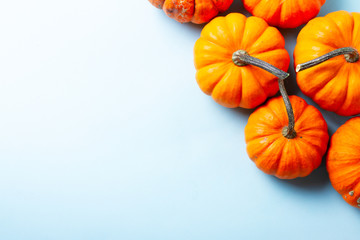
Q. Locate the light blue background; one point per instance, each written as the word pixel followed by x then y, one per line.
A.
pixel 104 134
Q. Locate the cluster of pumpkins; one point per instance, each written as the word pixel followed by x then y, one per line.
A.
pixel 242 61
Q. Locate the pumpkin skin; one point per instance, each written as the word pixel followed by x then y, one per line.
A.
pixel 277 155
pixel 217 75
pixel 343 161
pixel 195 11
pixel 332 84
pixel 284 13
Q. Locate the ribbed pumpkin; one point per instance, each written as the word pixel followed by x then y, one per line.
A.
pixel 327 59
pixel 196 11
pixel 284 13
pixel 343 161
pixel 275 153
pixel 231 82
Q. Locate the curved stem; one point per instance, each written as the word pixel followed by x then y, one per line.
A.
pixel 351 55
pixel 242 58
pixel 289 131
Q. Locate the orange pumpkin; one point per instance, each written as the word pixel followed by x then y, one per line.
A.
pixel 278 151
pixel 284 13
pixel 327 59
pixel 229 80
pixel 343 161
pixel 196 11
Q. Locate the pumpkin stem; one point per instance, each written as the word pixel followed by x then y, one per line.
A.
pixel 242 58
pixel 351 55
pixel 288 131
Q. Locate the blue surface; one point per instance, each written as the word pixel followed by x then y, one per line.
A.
pixel 104 134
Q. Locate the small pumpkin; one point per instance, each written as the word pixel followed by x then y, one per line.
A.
pixel 286 140
pixel 327 59
pixel 222 70
pixel 284 13
pixel 195 11
pixel 343 161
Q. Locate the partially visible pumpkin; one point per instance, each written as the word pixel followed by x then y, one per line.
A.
pixel 233 83
pixel 327 59
pixel 343 161
pixel 196 11
pixel 277 152
pixel 284 13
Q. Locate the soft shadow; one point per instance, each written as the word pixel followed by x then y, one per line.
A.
pixel 331 6
pixel 194 27
pixel 243 113
pixel 236 6
pixel 333 120
pixel 316 181
pixel 290 36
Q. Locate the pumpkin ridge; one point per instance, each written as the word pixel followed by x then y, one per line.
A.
pixel 283 9
pixel 267 149
pixel 317 147
pixel 277 115
pixel 282 161
pixel 262 33
pixel 263 87
pixel 345 89
pixel 266 51
pixel 340 33
pixel 243 34
pixel 223 65
pixel 312 42
pixel 345 169
pixel 344 178
pixel 350 145
pixel 355 32
pixel 252 7
pixel 222 83
pixel 345 162
pixel 303 169
pixel 303 119
pixel 353 94
pixel 304 130
pixel 336 74
pixel 243 93
pixel 206 37
pixel 225 49
pixel 256 137
pixel 234 27
pixel 207 52
pixel 311 93
pixel 273 19
pixel 311 30
pixel 232 40
pixel 244 42
pixel 220 46
pixel 272 51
